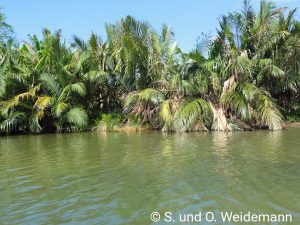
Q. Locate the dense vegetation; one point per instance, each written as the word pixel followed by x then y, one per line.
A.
pixel 247 77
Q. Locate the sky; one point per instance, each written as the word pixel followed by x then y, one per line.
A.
pixel 188 18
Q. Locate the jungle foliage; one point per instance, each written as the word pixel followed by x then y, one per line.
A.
pixel 246 77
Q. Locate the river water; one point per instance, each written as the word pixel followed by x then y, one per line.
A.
pixel 121 178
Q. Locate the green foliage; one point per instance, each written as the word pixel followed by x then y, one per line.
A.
pixel 13 120
pixel 166 114
pixel 77 117
pixel 112 120
pixel 249 73
pixel 151 96
pixel 191 113
pixel 252 104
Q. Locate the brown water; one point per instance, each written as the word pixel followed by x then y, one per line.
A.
pixel 119 178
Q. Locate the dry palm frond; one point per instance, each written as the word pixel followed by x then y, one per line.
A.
pixel 219 120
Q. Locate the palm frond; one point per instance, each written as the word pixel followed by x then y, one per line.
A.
pixel 79 43
pixel 34 122
pixel 51 84
pixel 77 117
pixel 94 74
pixel 60 108
pixel 235 101
pixel 43 102
pixel 14 121
pixel 192 112
pixel 78 88
pixel 131 98
pixel 166 114
pixel 152 96
pixel 268 113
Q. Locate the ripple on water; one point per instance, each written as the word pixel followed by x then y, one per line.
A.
pixel 117 178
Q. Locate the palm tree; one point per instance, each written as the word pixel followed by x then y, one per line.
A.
pixel 141 56
pixel 56 105
pixel 41 101
pixel 188 115
pixel 248 78
pixel 144 104
pixel 252 105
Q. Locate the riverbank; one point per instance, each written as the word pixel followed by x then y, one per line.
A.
pixel 288 125
pixel 127 128
pixel 142 128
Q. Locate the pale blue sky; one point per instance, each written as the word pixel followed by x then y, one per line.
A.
pixel 188 18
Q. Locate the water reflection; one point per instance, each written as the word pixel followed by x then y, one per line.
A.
pixel 222 150
pixel 120 178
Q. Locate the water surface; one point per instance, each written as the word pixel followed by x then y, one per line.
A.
pixel 119 178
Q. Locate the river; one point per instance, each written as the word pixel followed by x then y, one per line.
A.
pixel 121 178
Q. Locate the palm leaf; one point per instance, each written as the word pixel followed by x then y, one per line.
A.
pixel 151 96
pixel 191 112
pixel 235 101
pixel 60 108
pixel 13 121
pixel 131 98
pixel 77 117
pixel 166 115
pixel 34 124
pixel 268 113
pixel 51 84
pixel 78 88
